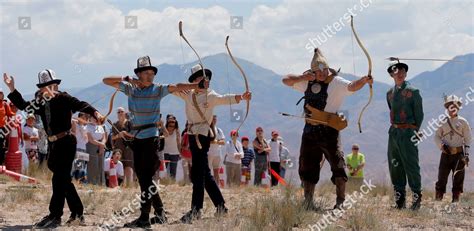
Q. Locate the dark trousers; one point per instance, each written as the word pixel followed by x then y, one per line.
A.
pixel 201 175
pixel 172 165
pixel 145 159
pixel 261 166
pixel 448 164
pixel 317 141
pixel 3 150
pixel 62 153
pixel 275 166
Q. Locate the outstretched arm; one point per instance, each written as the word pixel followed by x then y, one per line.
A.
pixel 359 83
pixel 188 86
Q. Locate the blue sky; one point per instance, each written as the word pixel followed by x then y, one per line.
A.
pixel 84 41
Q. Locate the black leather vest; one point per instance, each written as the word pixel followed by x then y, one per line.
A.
pixel 316 95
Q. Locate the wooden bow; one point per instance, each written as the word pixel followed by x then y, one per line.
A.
pixel 180 25
pixel 243 75
pixel 111 108
pixel 369 73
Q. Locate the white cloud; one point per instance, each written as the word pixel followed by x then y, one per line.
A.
pixel 91 34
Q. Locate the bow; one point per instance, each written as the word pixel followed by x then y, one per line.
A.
pixel 180 25
pixel 111 107
pixel 369 72
pixel 243 75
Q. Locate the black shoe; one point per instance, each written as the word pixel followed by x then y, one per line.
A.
pixel 138 223
pixel 159 219
pixel 48 222
pixel 338 204
pixel 76 220
pixel 416 202
pixel 190 216
pixel 43 221
pixel 400 200
pixel 221 211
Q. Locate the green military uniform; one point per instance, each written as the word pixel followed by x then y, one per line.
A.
pixel 406 116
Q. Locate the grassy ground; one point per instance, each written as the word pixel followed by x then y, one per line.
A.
pixel 250 208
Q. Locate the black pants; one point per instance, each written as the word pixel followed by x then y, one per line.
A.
pixel 447 164
pixel 145 159
pixel 201 175
pixel 172 166
pixel 318 141
pixel 261 166
pixel 62 153
pixel 3 150
pixel 275 166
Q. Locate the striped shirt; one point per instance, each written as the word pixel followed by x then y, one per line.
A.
pixel 144 106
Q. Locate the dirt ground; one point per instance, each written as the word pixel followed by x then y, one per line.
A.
pixel 250 208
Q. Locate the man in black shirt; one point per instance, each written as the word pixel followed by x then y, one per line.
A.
pixel 55 109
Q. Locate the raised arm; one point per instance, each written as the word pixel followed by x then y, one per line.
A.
pixel 292 79
pixel 15 96
pixel 114 81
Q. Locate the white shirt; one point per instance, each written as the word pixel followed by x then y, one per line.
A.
pixel 275 153
pixel 215 149
pixel 337 90
pixel 232 151
pixel 118 167
pixel 171 146
pixel 81 136
pixel 96 131
pixel 31 131
pixel 445 135
pixel 200 126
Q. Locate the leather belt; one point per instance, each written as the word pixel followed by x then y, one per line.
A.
pixel 58 136
pixel 404 126
pixel 455 150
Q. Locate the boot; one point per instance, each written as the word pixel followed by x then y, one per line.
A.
pixel 456 196
pixel 308 203
pixel 439 196
pixel 400 200
pixel 416 201
pixel 340 192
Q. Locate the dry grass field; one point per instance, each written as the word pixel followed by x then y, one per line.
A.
pixel 250 208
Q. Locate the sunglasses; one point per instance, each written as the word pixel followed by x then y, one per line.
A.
pixel 355 149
